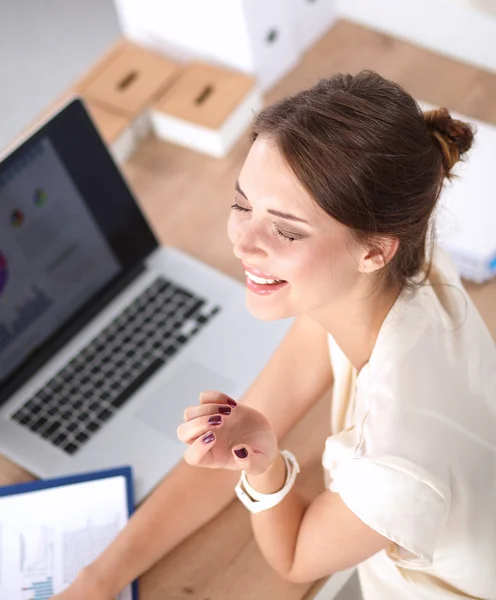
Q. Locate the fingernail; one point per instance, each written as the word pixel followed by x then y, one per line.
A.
pixel 225 410
pixel 241 453
pixel 232 403
pixel 215 420
pixel 208 437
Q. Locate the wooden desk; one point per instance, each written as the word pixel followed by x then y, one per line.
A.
pixel 186 198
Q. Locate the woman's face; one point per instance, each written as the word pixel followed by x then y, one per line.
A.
pixel 279 233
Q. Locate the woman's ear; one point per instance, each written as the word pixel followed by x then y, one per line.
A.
pixel 379 255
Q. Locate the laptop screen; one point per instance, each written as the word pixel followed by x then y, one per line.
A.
pixel 66 222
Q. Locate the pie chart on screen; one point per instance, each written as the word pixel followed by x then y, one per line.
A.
pixel 3 272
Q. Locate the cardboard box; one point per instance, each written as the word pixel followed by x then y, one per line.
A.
pixel 127 81
pixel 207 109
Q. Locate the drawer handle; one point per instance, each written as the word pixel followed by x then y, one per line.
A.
pixel 127 81
pixel 204 95
pixel 272 36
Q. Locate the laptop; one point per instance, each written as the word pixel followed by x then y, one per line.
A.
pixel 105 335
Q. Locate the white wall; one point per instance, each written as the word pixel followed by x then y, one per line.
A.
pixel 44 46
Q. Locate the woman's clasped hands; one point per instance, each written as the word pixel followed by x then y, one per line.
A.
pixel 222 434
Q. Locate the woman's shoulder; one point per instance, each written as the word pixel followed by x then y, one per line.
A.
pixel 432 343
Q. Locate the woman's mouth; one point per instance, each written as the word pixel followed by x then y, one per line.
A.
pixel 260 285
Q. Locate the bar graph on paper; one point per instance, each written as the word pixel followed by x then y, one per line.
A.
pixel 41 590
pixel 37 564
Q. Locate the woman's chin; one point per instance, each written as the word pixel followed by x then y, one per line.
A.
pixel 263 309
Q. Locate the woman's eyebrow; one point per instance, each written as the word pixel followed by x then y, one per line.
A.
pixel 276 213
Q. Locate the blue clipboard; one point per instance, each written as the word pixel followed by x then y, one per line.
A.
pixel 43 484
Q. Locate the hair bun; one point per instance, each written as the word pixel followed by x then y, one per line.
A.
pixel 454 137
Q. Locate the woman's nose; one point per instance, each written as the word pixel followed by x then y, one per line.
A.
pixel 248 243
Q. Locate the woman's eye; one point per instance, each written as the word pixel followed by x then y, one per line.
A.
pixel 285 236
pixel 236 206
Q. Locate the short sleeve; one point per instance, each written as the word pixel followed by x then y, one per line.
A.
pixel 397 504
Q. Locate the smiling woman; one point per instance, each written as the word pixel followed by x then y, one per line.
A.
pixel 331 220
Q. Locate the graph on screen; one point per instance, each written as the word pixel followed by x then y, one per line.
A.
pixel 25 314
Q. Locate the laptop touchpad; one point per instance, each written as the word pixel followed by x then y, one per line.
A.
pixel 165 412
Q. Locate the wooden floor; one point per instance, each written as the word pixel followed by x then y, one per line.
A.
pixel 186 198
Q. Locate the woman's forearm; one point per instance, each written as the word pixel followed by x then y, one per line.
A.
pixel 276 530
pixel 186 499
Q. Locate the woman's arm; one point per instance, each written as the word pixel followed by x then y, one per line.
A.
pixel 295 378
pixel 304 541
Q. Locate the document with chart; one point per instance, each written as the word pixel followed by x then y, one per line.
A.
pixel 48 535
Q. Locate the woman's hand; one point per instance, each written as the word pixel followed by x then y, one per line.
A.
pixel 237 437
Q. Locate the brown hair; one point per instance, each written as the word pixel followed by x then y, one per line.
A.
pixel 370 158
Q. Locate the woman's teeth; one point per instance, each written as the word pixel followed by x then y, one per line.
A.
pixel 261 279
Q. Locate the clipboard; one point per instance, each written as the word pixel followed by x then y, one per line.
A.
pixel 44 588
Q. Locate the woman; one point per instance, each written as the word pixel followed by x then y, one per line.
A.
pixel 332 223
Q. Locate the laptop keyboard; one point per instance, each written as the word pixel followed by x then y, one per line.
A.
pixel 95 384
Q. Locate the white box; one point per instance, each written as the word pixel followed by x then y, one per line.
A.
pixel 466 214
pixel 311 18
pixel 207 109
pixel 253 36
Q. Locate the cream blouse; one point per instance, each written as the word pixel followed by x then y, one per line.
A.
pixel 413 445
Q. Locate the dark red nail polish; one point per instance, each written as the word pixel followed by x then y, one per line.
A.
pixel 225 410
pixel 232 403
pixel 215 420
pixel 208 437
pixel 241 453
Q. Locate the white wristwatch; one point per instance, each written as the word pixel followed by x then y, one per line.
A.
pixel 256 502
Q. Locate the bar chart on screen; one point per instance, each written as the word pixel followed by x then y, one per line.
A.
pixel 26 313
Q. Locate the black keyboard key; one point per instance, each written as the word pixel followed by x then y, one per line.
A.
pixel 104 414
pixel 60 439
pixel 70 448
pixel 71 427
pixel 137 383
pixel 202 319
pixel 82 437
pixel 93 426
pixel 171 350
pixel 193 309
pixel 49 431
pixel 37 425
